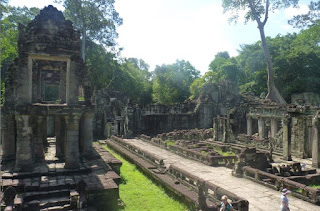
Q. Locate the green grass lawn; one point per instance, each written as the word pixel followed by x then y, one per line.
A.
pixel 139 193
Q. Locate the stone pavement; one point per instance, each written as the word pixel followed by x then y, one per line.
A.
pixel 259 196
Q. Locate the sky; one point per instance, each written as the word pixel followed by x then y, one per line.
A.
pixel 162 31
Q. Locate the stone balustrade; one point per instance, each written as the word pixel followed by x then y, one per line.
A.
pixel 149 156
pixel 212 192
pixel 298 189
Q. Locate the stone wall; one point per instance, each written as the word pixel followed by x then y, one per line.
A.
pixel 111 114
pixel 216 99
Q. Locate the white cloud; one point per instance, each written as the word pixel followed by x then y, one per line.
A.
pixel 162 34
pixel 291 12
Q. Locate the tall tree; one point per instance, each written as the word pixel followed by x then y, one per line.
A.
pixel 258 10
pixel 96 20
pixel 308 19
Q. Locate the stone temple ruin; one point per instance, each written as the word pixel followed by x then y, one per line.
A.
pixel 41 101
pixel 49 159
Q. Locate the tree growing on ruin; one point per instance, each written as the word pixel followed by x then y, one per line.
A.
pixel 258 10
pixel 96 20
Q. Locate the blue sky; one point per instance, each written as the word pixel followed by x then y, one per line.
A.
pixel 161 31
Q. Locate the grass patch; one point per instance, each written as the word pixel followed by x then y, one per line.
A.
pixel 169 143
pixel 204 152
pixel 298 190
pixel 140 193
pixel 314 186
pixel 218 150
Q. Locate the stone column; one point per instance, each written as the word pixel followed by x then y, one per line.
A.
pixel 315 142
pixel 60 136
pixel 8 137
pixel 71 149
pixel 215 128
pixel 121 128
pixel 249 125
pixel 86 133
pixel 44 134
pixel 261 127
pixel 24 151
pixel 286 138
pixel 38 137
pixel 274 127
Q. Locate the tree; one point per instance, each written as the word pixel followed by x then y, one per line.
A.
pixel 106 71
pixel 222 67
pixel 171 83
pixel 308 19
pixel 9 32
pixel 225 67
pixel 257 9
pixel 96 20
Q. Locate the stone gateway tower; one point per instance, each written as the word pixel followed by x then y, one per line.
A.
pixel 43 84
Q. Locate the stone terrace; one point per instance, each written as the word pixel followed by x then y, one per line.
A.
pixel 259 196
pixel 52 186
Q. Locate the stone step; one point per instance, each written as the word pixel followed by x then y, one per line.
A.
pixel 50 172
pixel 39 195
pixel 57 208
pixel 45 204
pixel 53 202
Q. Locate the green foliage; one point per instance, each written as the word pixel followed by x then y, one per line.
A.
pixel 219 150
pixel 9 32
pixel 107 71
pixel 169 143
pixel 98 18
pixel 317 186
pixel 139 193
pixel 296 61
pixel 221 68
pixel 95 19
pixel 308 19
pixel 235 8
pixel 134 82
pixel 171 83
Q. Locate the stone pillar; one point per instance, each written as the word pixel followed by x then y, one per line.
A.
pixel 315 142
pixel 249 126
pixel 286 138
pixel 86 133
pixel 300 134
pixel 60 136
pixel 38 137
pixel 261 127
pixel 24 151
pixel 8 137
pixel 44 134
pixel 71 149
pixel 121 128
pixel 274 127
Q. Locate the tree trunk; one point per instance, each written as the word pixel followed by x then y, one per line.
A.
pixel 83 45
pixel 273 93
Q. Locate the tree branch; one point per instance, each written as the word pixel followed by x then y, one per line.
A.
pixel 254 12
pixel 267 13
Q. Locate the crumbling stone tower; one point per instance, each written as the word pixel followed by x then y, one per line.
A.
pixel 44 81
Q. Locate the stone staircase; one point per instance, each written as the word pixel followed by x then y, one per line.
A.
pixel 44 200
